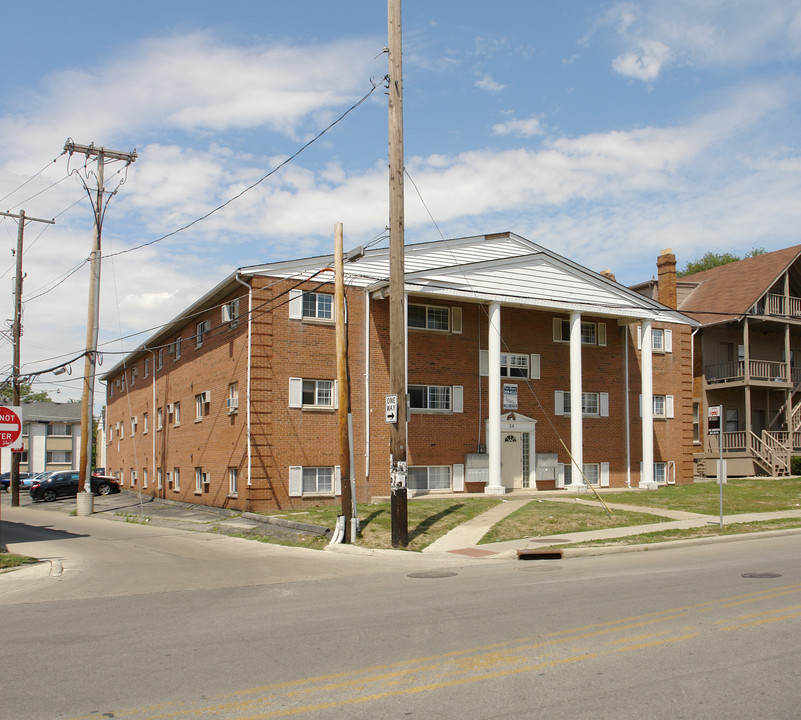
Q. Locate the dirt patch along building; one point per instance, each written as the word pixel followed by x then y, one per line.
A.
pixel 233 402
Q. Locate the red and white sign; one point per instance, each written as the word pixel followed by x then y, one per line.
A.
pixel 10 426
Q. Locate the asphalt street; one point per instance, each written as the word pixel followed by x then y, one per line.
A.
pixel 147 622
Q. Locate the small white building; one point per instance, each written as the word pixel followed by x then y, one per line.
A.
pixel 51 437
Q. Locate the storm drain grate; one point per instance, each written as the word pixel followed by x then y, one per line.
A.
pixel 539 554
pixel 428 574
pixel 761 575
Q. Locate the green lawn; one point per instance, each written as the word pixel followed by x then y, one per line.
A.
pixel 541 518
pixel 740 495
pixel 10 560
pixel 427 519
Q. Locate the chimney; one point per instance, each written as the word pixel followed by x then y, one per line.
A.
pixel 608 274
pixel 666 267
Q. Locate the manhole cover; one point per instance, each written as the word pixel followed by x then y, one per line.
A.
pixel 761 575
pixel 426 574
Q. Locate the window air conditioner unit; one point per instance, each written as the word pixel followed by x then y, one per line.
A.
pixel 170 348
pixel 206 479
pixel 233 403
pixel 170 408
pixel 206 395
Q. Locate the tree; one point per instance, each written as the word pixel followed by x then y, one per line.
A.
pixel 713 259
pixel 26 394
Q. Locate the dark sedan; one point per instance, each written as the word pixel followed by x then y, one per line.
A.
pixel 65 484
pixel 5 479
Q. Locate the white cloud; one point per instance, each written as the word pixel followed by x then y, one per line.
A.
pixel 525 128
pixel 486 82
pixel 644 64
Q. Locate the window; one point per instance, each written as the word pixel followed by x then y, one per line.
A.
pixel 159 418
pixel 696 423
pixel 230 313
pixel 593 404
pixel 318 480
pixel 121 429
pixel 133 375
pixel 202 329
pixel 147 367
pixel 318 306
pixel 59 429
pixel 591 333
pixel 514 365
pixel 429 317
pixel 430 397
pixel 178 348
pixel 144 423
pixel 176 479
pixel 233 397
pixel 312 393
pixel 175 411
pixel 199 407
pixel 133 477
pixel 663 406
pixel 110 433
pixel 660 472
pixel 233 480
pixel 160 358
pixel 429 477
pixel 159 479
pixel 134 422
pixel 313 481
pixel 144 477
pixel 661 339
pixel 592 472
pixel 732 421
pixel 198 480
pixel 58 457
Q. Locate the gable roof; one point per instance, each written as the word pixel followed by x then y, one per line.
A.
pixel 729 291
pixel 502 267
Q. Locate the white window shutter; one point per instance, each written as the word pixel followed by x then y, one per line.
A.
pixel 456 320
pixel 483 362
pixel 535 366
pixel 560 475
pixel 337 480
pixel 604 474
pixel 668 341
pixel 669 406
pixel 602 334
pixel 458 478
pixel 295 392
pixel 296 304
pixel 295 481
pixel 457 398
pixel 639 337
pixel 559 402
pixel 557 329
pixel 603 401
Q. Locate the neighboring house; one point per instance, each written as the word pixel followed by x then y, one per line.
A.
pixel 746 360
pixel 51 436
pixel 515 354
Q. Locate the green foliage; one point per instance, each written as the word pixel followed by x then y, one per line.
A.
pixel 795 465
pixel 712 259
pixel 26 394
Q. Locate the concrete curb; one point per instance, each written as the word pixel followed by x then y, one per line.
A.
pixel 290 524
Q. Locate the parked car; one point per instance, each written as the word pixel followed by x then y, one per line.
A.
pixel 5 480
pixel 65 484
pixel 99 471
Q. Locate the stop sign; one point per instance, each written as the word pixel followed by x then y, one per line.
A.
pixel 10 425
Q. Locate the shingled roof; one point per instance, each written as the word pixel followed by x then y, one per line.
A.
pixel 729 291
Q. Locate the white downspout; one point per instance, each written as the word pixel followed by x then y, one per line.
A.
pixel 626 408
pixel 247 390
pixel 367 391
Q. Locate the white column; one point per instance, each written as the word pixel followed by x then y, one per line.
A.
pixel 494 486
pixel 576 419
pixel 647 477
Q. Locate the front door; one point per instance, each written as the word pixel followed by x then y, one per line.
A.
pixel 511 460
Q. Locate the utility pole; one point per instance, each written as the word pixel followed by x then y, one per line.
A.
pixel 343 386
pixel 397 304
pixel 17 333
pixel 85 499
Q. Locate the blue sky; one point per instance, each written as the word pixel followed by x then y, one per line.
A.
pixel 604 131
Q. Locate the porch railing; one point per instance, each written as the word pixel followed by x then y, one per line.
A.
pixel 735 370
pixel 779 305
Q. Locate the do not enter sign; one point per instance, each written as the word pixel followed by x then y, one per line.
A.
pixel 10 425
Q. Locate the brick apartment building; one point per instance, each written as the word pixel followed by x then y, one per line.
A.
pixel 514 355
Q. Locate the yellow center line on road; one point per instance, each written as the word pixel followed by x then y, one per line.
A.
pixel 467 666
